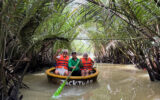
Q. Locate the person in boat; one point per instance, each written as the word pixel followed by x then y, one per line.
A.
pixel 61 62
pixel 87 64
pixel 74 63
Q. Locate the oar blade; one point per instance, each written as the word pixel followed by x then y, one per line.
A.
pixel 59 90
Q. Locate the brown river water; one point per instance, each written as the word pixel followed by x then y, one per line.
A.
pixel 115 82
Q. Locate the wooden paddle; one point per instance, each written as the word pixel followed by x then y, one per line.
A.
pixel 58 92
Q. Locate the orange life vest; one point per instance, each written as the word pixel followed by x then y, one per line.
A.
pixel 62 62
pixel 87 64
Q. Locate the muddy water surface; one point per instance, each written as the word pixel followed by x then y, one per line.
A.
pixel 115 82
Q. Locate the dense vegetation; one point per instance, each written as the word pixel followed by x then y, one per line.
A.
pixel 120 31
pixel 130 33
pixel 31 31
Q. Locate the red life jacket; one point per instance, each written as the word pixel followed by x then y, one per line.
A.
pixel 62 62
pixel 87 64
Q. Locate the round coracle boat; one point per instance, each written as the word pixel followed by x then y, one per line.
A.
pixel 73 80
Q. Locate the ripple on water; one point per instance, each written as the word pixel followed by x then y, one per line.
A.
pixel 115 82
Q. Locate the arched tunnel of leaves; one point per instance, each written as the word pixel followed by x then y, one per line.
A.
pixel 117 31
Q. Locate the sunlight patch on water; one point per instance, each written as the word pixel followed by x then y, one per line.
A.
pixel 109 88
pixel 144 75
pixel 39 74
pixel 126 80
pixel 118 66
pixel 74 92
pixel 157 98
pixel 128 67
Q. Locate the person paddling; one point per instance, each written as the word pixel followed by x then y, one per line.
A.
pixel 87 64
pixel 72 64
pixel 61 62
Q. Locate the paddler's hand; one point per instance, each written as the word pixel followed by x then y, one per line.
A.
pixel 73 67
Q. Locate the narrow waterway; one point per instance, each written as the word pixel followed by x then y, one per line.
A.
pixel 115 82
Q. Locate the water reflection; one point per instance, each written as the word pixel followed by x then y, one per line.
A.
pixel 115 82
